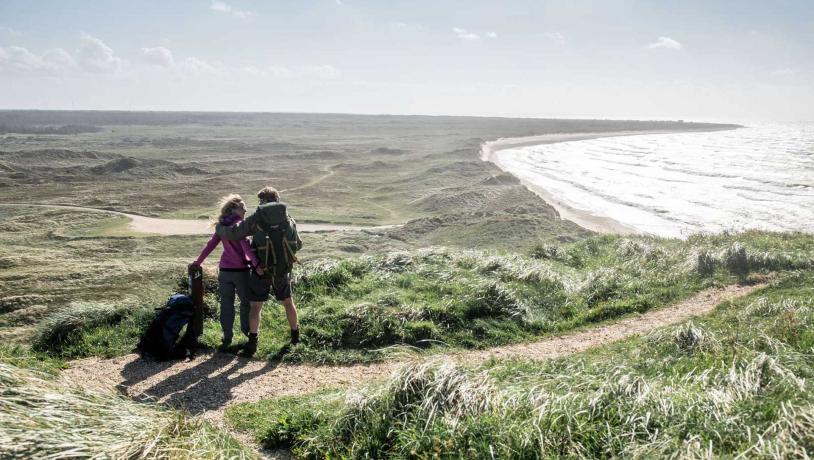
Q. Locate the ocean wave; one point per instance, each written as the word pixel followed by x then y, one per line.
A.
pixel 669 184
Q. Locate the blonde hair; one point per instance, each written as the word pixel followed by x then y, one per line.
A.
pixel 227 204
pixel 268 195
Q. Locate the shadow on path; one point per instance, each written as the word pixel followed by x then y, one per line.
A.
pixel 206 385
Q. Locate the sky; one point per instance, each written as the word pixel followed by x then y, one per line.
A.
pixel 712 60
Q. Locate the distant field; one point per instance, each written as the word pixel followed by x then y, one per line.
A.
pixel 333 168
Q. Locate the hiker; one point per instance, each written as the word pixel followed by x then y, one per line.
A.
pixel 275 241
pixel 234 266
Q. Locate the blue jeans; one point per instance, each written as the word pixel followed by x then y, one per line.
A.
pixel 229 283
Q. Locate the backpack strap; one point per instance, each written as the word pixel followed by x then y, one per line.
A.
pixel 289 255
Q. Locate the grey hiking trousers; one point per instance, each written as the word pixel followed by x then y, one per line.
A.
pixel 229 283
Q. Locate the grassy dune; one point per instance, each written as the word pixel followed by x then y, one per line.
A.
pixel 497 266
pixel 44 417
pixel 735 383
pixel 358 309
pixel 424 172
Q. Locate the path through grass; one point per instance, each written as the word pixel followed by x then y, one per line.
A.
pixel 735 383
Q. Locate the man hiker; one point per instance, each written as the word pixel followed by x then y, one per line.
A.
pixel 275 241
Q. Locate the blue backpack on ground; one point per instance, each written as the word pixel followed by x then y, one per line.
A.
pixel 160 340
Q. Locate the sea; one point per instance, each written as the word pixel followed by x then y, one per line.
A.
pixel 673 185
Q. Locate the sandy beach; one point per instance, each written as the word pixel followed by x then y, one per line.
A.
pixel 600 224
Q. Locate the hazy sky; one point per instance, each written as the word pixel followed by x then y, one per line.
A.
pixel 743 60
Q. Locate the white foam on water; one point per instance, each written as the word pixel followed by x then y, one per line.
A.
pixel 672 185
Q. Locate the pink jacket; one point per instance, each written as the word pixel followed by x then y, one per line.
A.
pixel 236 254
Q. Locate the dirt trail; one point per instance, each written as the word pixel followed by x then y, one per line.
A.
pixel 211 382
pixel 312 183
pixel 168 227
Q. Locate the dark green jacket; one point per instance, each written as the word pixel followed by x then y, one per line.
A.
pixel 268 214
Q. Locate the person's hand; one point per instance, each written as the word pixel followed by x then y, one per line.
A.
pixel 260 270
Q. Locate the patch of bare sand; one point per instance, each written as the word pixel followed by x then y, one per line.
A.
pixel 172 227
pixel 210 383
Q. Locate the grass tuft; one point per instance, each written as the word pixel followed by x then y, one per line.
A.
pixel 87 328
pixel 736 259
pixel 675 397
pixel 43 417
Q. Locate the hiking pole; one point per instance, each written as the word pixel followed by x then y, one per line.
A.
pixel 196 292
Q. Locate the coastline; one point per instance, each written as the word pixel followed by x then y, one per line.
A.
pixel 585 219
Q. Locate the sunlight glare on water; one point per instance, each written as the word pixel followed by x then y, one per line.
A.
pixel 758 177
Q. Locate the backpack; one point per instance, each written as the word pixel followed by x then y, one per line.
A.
pixel 275 240
pixel 160 340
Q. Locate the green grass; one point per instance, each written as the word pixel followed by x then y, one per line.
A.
pixel 366 308
pixel 24 357
pixel 93 329
pixel 735 383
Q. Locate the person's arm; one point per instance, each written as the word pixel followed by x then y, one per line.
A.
pixel 251 257
pixel 210 246
pixel 237 232
pixel 296 233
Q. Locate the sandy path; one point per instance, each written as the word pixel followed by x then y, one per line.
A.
pixel 168 227
pixel 312 183
pixel 211 382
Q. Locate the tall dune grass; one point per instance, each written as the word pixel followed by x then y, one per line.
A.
pixel 43 417
pixel 735 384
pixel 354 309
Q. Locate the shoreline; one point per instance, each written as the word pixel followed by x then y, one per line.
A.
pixel 585 219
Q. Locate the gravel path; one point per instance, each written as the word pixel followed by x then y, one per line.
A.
pixel 210 383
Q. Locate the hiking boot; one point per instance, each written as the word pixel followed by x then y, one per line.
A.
pixel 295 336
pixel 224 345
pixel 251 346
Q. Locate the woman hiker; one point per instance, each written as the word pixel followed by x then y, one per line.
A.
pixel 233 274
pixel 277 279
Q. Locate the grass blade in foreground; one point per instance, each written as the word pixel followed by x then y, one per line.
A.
pixel 40 417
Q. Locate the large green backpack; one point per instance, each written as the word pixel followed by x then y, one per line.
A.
pixel 275 240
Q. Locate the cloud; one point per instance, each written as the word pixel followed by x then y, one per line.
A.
pixel 667 43
pixel 340 2
pixel 9 31
pixel 464 34
pixel 555 37
pixel 491 34
pixel 159 56
pixel 223 7
pixel 95 56
pixel 18 60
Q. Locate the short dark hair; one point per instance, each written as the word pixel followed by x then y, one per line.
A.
pixel 268 195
